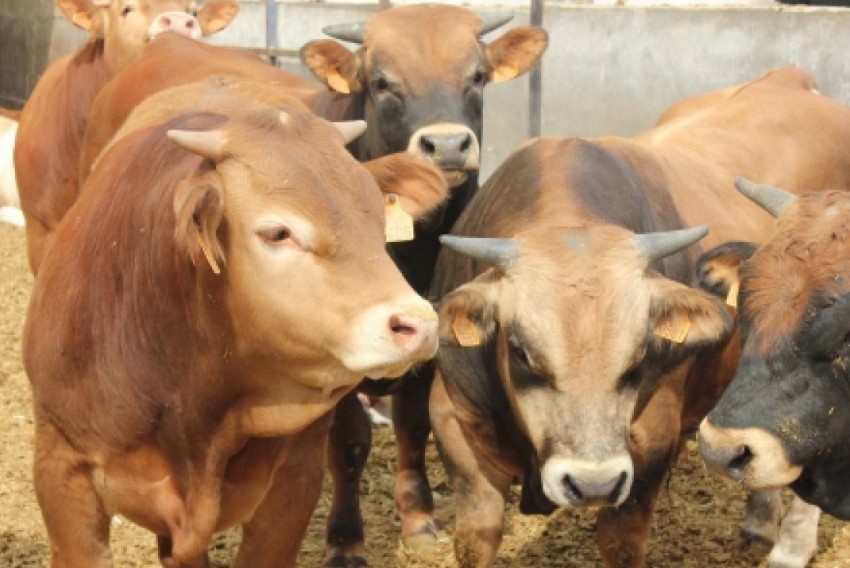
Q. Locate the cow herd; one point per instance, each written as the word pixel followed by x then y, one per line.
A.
pixel 226 255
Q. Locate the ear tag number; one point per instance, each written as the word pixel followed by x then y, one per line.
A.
pixel 399 223
pixel 732 296
pixel 465 331
pixel 674 328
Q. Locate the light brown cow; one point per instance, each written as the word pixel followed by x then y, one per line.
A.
pixel 574 355
pixel 54 119
pixel 217 301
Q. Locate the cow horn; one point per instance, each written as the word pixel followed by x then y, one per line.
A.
pixel 346 32
pixel 207 143
pixel 491 21
pixel 351 129
pixel 771 199
pixel 658 245
pixel 499 252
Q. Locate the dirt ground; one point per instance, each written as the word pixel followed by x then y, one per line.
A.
pixel 696 522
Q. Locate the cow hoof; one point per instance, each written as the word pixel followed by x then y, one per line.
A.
pixel 430 541
pixel 341 560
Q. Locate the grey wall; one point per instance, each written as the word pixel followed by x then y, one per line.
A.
pixel 608 70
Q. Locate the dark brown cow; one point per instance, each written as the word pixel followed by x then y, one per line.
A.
pixel 53 121
pixel 574 355
pixel 792 293
pixel 217 302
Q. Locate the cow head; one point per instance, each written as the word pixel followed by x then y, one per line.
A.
pixel 298 237
pixel 784 419
pixel 580 331
pixel 421 72
pixel 127 25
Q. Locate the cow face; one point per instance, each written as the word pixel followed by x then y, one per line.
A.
pixel 581 332
pixel 421 72
pixel 127 25
pixel 783 419
pixel 298 235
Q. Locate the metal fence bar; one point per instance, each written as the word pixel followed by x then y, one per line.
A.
pixel 535 79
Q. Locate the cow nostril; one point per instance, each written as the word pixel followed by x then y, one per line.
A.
pixel 573 492
pixel 166 22
pixel 399 327
pixel 466 144
pixel 190 24
pixel 618 488
pixel 427 146
pixel 738 464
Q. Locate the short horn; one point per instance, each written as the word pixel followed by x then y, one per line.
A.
pixel 771 199
pixel 658 245
pixel 499 252
pixel 351 129
pixel 491 21
pixel 346 32
pixel 207 143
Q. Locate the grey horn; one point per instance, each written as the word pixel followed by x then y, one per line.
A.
pixel 771 199
pixel 658 245
pixel 499 252
pixel 346 32
pixel 491 21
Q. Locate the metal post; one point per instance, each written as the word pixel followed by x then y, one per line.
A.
pixel 271 29
pixel 535 78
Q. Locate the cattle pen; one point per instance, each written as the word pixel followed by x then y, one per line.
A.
pixel 611 68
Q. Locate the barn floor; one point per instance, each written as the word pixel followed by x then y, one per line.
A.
pixel 695 524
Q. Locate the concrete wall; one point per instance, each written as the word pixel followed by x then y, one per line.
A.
pixel 608 70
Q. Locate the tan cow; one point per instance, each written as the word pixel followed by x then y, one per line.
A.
pixel 54 119
pixel 574 354
pixel 218 299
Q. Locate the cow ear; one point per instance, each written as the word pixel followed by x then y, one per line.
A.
pixel 468 315
pixel 333 65
pixel 717 269
pixel 216 15
pixel 687 316
pixel 198 209
pixel 515 52
pixel 419 185
pixel 82 13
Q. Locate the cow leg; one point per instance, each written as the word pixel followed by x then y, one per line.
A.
pixel 272 538
pixel 764 511
pixel 77 524
pixel 798 537
pixel 348 449
pixel 413 498
pixel 479 489
pixel 166 557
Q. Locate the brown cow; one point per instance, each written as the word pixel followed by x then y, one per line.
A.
pixel 53 121
pixel 574 355
pixel 217 302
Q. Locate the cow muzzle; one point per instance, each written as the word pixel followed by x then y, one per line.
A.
pixel 571 482
pixel 451 147
pixel 751 456
pixel 177 22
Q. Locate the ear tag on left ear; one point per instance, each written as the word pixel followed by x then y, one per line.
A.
pixel 674 329
pixel 337 83
pixel 465 331
pixel 399 223
pixel 732 296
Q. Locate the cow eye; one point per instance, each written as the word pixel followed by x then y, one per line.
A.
pixel 380 85
pixel 127 10
pixel 275 236
pixel 519 353
pixel 479 78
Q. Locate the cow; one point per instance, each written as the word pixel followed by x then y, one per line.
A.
pixel 575 353
pixel 223 282
pixel 10 202
pixel 54 118
pixel 418 80
pixel 782 421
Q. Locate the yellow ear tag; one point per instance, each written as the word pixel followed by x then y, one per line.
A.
pixel 674 329
pixel 465 331
pixel 732 296
pixel 504 72
pixel 337 83
pixel 399 223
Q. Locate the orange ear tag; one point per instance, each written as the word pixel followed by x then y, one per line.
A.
pixel 732 296
pixel 674 329
pixel 337 83
pixel 399 223
pixel 465 331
